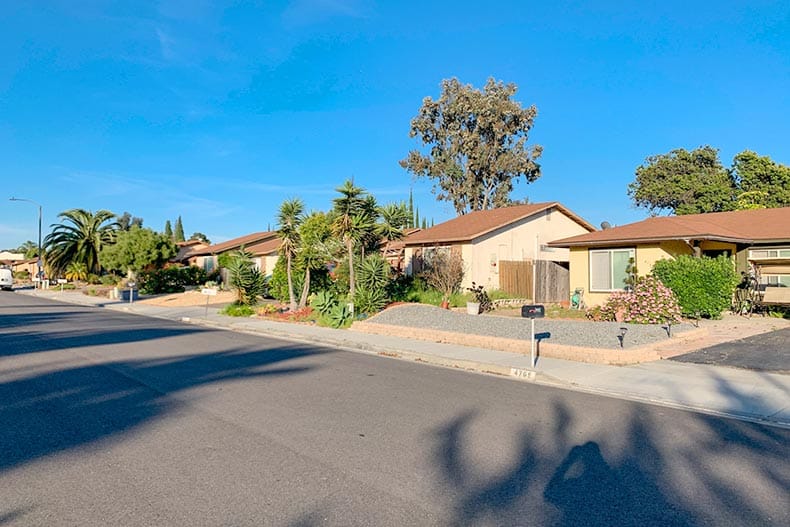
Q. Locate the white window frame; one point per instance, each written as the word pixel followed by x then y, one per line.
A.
pixel 776 250
pixel 774 279
pixel 632 254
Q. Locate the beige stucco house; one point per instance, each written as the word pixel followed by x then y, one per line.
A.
pixel 756 238
pixel 486 238
pixel 263 246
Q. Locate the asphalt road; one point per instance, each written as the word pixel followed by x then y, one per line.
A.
pixel 114 419
pixel 766 352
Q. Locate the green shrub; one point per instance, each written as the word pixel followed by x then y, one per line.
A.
pixel 93 279
pixel 703 286
pixel 64 287
pixel 238 310
pixel 169 280
pixel 109 279
pixel 22 275
pixel 399 288
pixel 650 302
pixel 278 282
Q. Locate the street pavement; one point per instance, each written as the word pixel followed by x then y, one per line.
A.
pixel 755 395
pixel 108 418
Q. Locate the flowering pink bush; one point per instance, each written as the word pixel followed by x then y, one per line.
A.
pixel 651 302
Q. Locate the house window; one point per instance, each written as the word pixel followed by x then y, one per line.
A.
pixel 759 254
pixel 208 264
pixel 775 280
pixel 608 269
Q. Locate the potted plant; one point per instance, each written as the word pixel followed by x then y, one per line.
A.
pixel 481 302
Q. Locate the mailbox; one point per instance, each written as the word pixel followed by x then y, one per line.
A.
pixel 533 311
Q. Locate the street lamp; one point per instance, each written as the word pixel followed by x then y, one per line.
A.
pixel 39 275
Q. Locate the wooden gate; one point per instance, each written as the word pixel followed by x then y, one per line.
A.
pixel 553 282
pixel 515 278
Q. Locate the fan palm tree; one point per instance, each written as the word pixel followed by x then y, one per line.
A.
pixel 288 218
pixel 79 238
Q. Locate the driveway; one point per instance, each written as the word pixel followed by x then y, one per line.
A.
pixel 765 352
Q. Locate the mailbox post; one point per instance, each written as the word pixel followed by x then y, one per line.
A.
pixel 532 312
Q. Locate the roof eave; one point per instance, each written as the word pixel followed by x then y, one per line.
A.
pixel 643 240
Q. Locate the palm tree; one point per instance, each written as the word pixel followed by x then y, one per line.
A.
pixel 79 238
pixel 351 221
pixel 288 218
pixel 29 249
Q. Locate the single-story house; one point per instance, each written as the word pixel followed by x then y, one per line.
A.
pixel 265 254
pixel 7 257
pixel 758 238
pixel 185 250
pixel 30 265
pixel 262 245
pixel 485 239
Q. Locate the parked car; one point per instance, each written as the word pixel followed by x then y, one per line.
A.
pixel 6 279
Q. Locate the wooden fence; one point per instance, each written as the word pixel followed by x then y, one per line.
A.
pixel 515 278
pixel 552 280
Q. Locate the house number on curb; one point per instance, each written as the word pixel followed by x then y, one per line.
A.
pixel 521 373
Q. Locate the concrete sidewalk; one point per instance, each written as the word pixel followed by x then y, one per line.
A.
pixel 743 394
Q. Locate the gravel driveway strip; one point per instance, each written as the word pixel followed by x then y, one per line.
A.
pixel 566 332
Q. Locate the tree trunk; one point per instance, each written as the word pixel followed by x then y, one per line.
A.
pixel 291 294
pixel 305 289
pixel 351 284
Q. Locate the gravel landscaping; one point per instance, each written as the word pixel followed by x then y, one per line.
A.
pixel 583 333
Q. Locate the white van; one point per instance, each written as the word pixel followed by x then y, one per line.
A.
pixel 6 279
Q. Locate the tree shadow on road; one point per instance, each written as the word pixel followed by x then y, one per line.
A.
pixel 51 412
pixel 629 472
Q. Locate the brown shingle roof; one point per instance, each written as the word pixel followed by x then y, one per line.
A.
pixel 475 224
pixel 745 226
pixel 235 243
pixel 272 245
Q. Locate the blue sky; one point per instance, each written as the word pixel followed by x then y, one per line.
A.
pixel 218 112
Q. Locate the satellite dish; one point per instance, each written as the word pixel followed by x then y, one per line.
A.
pixel 606 225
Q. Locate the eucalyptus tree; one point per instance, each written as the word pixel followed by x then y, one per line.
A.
pixel 475 145
pixel 288 219
pixel 79 237
pixel 317 248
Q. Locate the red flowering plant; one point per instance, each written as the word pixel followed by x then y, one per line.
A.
pixel 650 302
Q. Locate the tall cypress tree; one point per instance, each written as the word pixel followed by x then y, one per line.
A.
pixel 168 230
pixel 416 217
pixel 179 231
pixel 411 208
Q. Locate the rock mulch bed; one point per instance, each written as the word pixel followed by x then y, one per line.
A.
pixel 580 333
